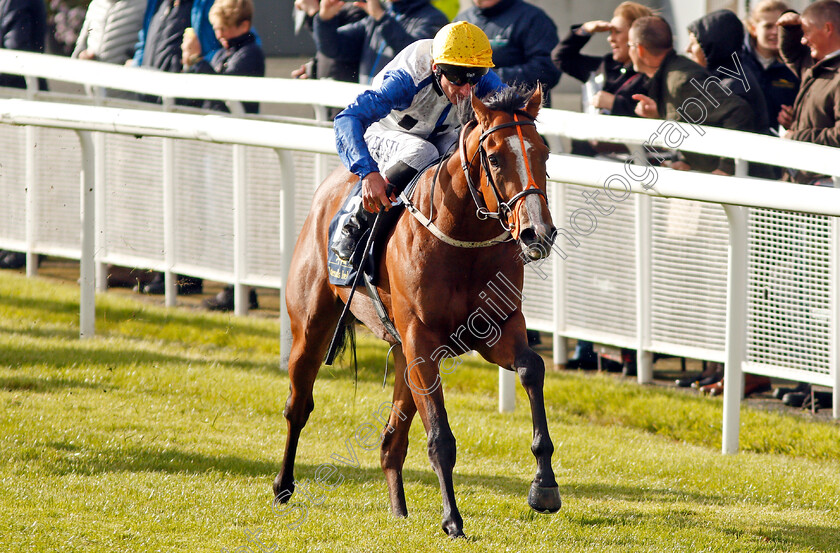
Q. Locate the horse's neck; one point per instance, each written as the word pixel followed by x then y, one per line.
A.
pixel 454 209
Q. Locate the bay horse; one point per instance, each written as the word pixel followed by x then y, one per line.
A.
pixel 431 284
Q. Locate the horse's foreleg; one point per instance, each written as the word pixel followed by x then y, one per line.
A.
pixel 544 495
pixel 395 438
pixel 423 378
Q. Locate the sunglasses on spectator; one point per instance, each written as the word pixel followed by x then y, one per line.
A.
pixel 459 76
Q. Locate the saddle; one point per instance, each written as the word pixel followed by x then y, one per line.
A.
pixel 342 273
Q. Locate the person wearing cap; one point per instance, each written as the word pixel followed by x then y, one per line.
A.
pixel 522 36
pixel 407 121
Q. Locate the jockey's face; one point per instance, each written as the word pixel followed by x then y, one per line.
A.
pixel 454 92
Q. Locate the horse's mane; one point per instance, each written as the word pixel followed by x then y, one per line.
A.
pixel 510 99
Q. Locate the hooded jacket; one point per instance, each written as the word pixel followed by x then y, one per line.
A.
pixel 522 37
pixel 373 44
pixel 721 37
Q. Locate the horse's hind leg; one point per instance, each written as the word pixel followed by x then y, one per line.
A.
pixel 395 437
pixel 313 315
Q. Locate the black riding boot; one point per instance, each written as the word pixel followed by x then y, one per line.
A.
pixel 398 176
pixel 345 245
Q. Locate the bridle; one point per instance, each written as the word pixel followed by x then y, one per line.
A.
pixel 506 212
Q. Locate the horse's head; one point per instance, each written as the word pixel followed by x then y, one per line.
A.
pixel 513 177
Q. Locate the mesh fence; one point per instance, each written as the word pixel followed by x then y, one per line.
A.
pixel 133 189
pixel 789 290
pixel 57 204
pixel 689 243
pixel 204 204
pixel 601 271
pixel 12 184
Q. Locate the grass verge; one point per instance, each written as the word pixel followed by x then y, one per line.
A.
pixel 164 432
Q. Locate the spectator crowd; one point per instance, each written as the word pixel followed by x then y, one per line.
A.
pixel 776 73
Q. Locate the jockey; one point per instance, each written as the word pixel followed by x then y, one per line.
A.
pixel 406 121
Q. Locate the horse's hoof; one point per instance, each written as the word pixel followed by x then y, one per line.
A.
pixel 453 528
pixel 544 500
pixel 454 533
pixel 281 492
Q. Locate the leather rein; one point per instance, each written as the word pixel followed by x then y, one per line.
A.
pixel 505 211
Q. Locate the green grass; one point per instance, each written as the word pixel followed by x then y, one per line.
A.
pixel 164 432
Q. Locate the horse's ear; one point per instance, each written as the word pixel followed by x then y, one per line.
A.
pixel 534 102
pixel 482 114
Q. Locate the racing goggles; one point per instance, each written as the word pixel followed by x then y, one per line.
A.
pixel 459 76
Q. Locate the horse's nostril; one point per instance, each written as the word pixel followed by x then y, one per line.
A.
pixel 528 235
pixel 552 231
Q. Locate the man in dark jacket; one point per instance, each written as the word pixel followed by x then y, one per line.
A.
pixel 810 45
pixel 522 37
pixel 374 41
pixel 681 90
pixel 321 66
pixel 23 26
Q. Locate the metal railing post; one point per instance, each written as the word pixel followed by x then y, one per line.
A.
pixel 560 351
pixel 169 240
pixel 507 391
pixel 87 272
pixel 834 354
pixel 644 262
pixel 31 201
pixel 240 201
pixel 287 244
pixel 736 323
pixel 101 269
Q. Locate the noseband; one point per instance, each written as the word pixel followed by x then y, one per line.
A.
pixel 505 211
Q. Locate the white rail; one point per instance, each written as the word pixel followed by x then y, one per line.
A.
pixel 679 256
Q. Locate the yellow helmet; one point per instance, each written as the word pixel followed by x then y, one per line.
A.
pixel 462 44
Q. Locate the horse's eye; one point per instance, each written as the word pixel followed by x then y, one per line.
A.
pixel 494 161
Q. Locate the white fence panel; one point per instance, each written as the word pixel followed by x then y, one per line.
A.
pixel 133 201
pixel 688 292
pixel 600 281
pixel 262 219
pixel 13 187
pixel 789 295
pixel 204 204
